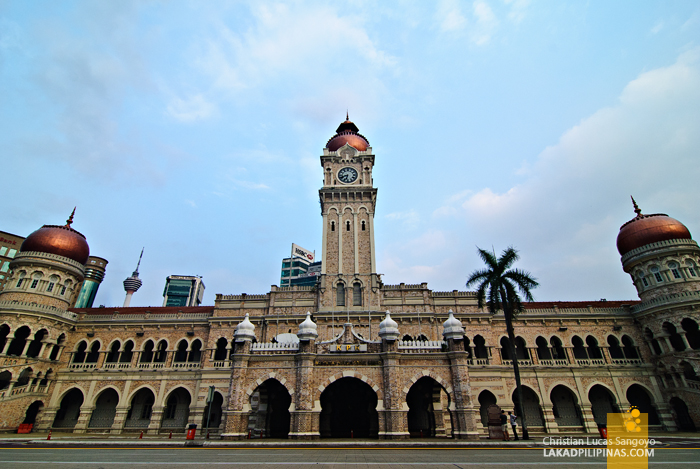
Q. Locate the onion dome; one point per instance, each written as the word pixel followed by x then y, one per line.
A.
pixel 60 240
pixel 388 329
pixel 647 229
pixel 245 330
pixel 308 329
pixel 347 132
pixel 452 328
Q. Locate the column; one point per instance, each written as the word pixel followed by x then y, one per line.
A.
pixel 304 418
pixel 570 355
pixel 685 341
pixel 665 416
pixel 60 352
pixel 533 355
pixel 42 350
pixel 236 424
pixel 667 343
pixel 466 414
pixel 606 355
pixel 7 345
pixel 156 418
pixel 83 419
pixel 395 418
pixel 27 341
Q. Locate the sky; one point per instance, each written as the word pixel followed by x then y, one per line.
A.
pixel 194 129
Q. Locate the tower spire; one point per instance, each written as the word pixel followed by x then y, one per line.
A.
pixel 136 272
pixel 637 210
pixel 69 222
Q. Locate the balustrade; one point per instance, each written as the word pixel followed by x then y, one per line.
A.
pixel 417 346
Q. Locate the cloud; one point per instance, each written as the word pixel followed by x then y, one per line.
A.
pixel 479 27
pixel 191 109
pixel 518 9
pixel 409 219
pixel 565 213
pixel 657 27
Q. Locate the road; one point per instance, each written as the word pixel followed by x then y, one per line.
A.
pixel 346 458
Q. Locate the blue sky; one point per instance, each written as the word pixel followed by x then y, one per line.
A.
pixel 195 128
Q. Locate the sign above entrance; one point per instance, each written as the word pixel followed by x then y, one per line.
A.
pixel 348 348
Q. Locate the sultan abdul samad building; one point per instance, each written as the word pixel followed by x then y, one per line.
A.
pixel 350 355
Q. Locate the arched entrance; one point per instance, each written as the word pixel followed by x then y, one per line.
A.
pixel 105 410
pixel 565 407
pixel 530 408
pixel 349 408
pixel 270 410
pixel 683 420
pixel 32 411
pixel 638 397
pixel 486 399
pixel 177 410
pixel 602 403
pixel 139 415
pixel 428 409
pixel 69 411
pixel 214 418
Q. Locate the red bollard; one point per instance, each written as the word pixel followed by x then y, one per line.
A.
pixel 261 434
pixel 352 433
pixel 141 435
pixel 170 437
pixel 49 436
pixel 207 434
pixel 250 432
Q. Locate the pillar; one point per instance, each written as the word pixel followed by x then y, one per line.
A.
pixel 27 342
pixel 304 418
pixel 83 419
pixel 466 414
pixel 395 415
pixel 236 413
pixel 156 419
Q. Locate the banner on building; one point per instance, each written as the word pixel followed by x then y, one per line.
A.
pixel 298 251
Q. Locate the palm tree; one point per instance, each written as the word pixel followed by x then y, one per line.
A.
pixel 501 285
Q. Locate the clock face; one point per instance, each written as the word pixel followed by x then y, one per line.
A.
pixel 347 175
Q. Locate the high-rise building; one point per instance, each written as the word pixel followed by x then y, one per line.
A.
pixel 183 290
pixel 94 274
pixel 300 268
pixel 9 245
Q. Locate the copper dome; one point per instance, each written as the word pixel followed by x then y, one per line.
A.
pixel 60 240
pixel 347 132
pixel 647 229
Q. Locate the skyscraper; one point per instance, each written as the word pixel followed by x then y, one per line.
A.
pixel 183 290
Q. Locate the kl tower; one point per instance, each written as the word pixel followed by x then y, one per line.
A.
pixel 133 283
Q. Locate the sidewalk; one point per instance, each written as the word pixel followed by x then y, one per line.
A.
pixel 93 440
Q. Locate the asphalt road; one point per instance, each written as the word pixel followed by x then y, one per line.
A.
pixel 156 458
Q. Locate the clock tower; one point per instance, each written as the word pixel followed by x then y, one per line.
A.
pixel 349 280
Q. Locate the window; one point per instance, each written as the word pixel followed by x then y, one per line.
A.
pixel 35 282
pixel 674 270
pixel 63 291
pixel 691 268
pixel 340 295
pixel 332 226
pixel 657 275
pixel 19 282
pixel 285 265
pixel 363 225
pixel 3 250
pixel 347 225
pixel 357 294
pixel 50 287
pixel 12 253
pixel 5 267
pixel 645 282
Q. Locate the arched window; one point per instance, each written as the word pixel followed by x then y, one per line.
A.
pixel 692 333
pixel 674 336
pixel 643 279
pixel 691 268
pixel 657 274
pixel 35 279
pixel 195 355
pixel 332 226
pixel 162 352
pixel 347 225
pixel 113 355
pixel 147 353
pixel 363 225
pixel 181 353
pixel 220 353
pixel 79 355
pixel 480 350
pixel 127 353
pixel 356 294
pixel 654 344
pixel 579 348
pixel 593 349
pixel 614 348
pixel 52 282
pixel 340 295
pixel 629 349
pixel 21 279
pixel 543 352
pixel 674 270
pixel 558 352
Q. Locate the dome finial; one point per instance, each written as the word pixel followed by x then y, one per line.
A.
pixel 347 115
pixel 69 222
pixel 637 210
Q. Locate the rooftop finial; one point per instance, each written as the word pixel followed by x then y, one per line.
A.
pixel 347 115
pixel 70 219
pixel 637 210
pixel 136 272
